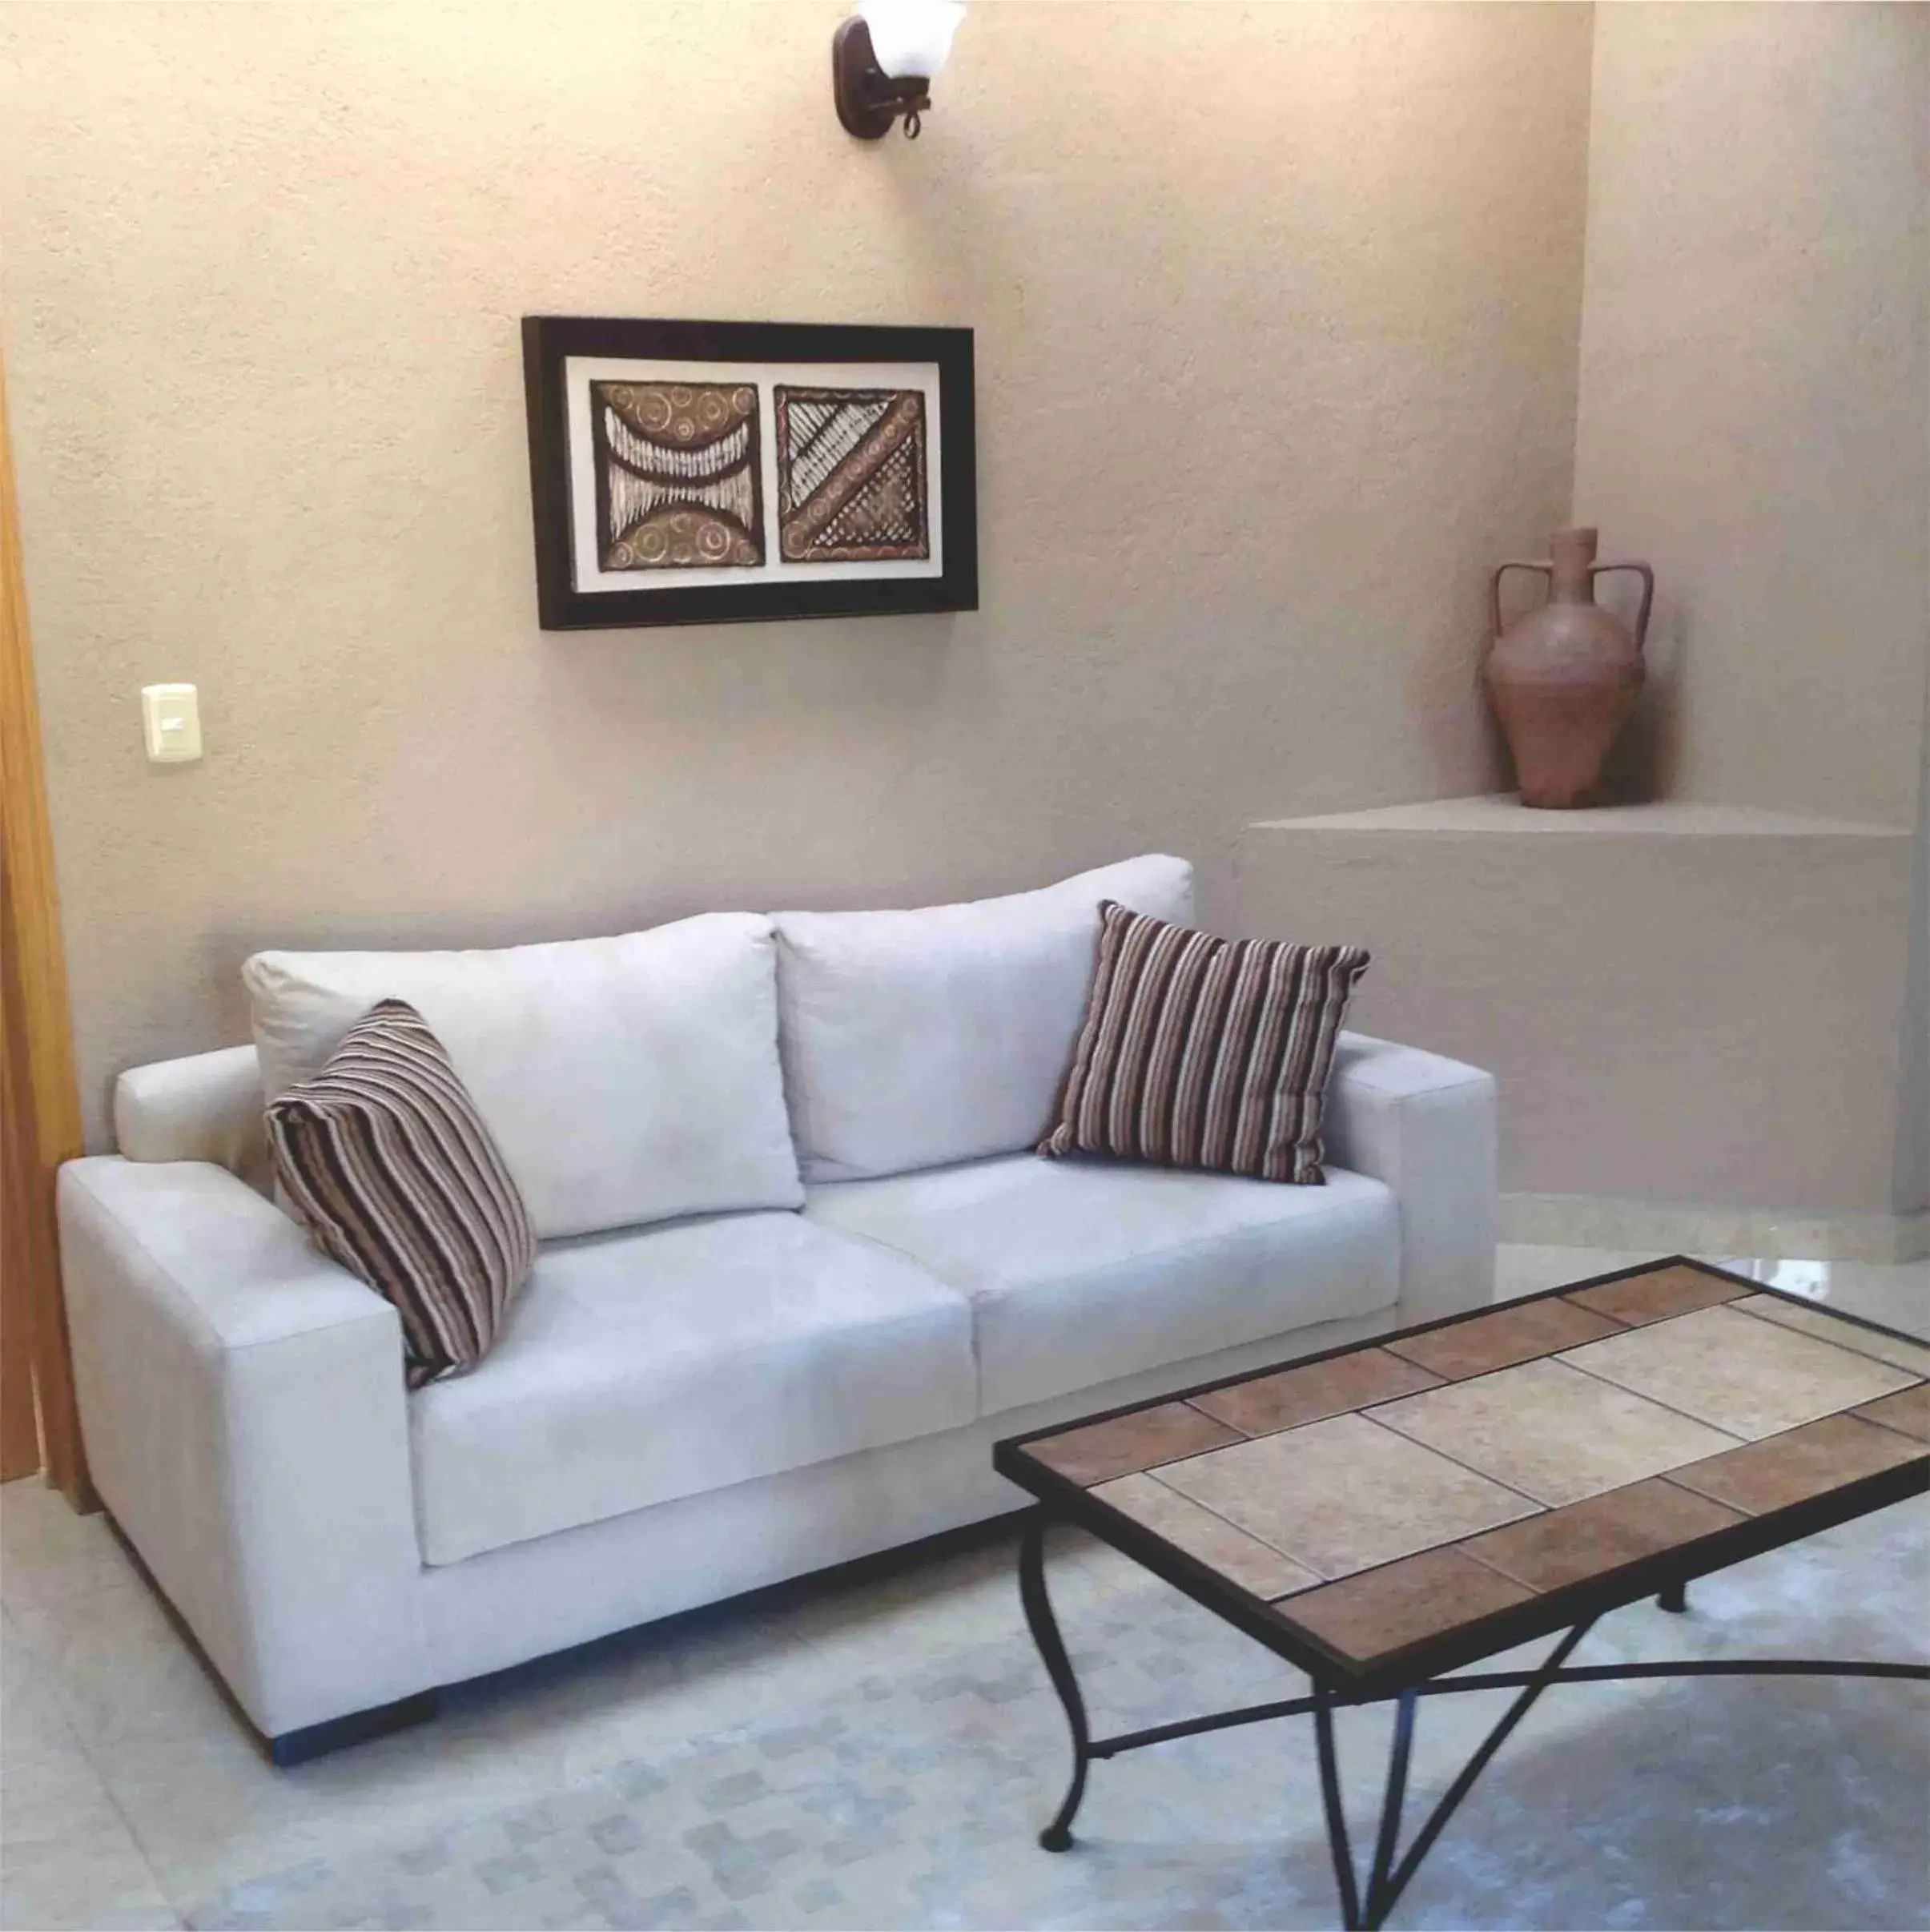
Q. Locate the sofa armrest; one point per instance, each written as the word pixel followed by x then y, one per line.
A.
pixel 243 1408
pixel 1425 1126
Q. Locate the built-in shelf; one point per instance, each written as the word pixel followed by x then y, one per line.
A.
pixel 1501 811
pixel 1682 1002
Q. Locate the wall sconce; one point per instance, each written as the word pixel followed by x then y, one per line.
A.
pixel 884 59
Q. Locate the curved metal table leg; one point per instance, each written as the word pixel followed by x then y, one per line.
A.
pixel 1366 1910
pixel 1057 1836
pixel 1381 1893
pixel 1337 1815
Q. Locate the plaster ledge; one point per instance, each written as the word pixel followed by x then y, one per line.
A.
pixel 1503 812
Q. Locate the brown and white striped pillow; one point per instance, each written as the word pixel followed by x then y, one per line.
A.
pixel 399 1180
pixel 1205 1053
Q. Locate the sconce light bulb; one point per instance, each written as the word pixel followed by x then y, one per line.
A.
pixel 912 37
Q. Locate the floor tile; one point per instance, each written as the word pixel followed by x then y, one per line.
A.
pixel 1586 1539
pixel 121 1668
pixel 1810 1320
pixel 1344 1493
pixel 35 1737
pixel 1748 1377
pixel 67 1857
pixel 92 1878
pixel 1499 1340
pixel 1656 1294
pixel 51 1791
pixel 1528 1267
pixel 1807 1462
pixel 50 1554
pixel 1550 1431
pixel 1907 1411
pixel 1140 1440
pixel 1418 1597
pixel 1294 1396
pixel 1896 1294
pixel 956 1601
pixel 1253 1565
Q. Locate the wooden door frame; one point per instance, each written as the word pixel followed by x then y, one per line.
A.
pixel 41 1125
pixel 19 1420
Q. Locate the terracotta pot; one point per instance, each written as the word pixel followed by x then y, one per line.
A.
pixel 1563 678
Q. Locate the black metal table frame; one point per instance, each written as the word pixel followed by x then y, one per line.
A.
pixel 1567 1614
pixel 1391 1870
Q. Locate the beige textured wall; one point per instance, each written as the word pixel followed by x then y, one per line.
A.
pixel 1754 388
pixel 1910 1188
pixel 1277 311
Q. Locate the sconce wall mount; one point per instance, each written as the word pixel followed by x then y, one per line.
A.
pixel 883 59
pixel 869 99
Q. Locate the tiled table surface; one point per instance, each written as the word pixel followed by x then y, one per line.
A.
pixel 1401 1491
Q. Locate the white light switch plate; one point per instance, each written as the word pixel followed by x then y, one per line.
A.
pixel 171 716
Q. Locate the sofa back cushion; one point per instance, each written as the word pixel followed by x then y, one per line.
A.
pixel 625 1080
pixel 913 1039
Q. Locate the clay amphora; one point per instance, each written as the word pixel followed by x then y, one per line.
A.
pixel 1563 678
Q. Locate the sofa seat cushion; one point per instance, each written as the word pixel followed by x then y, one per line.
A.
pixel 641 1367
pixel 1079 1271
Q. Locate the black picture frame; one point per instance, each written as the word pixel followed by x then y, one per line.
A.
pixel 847 590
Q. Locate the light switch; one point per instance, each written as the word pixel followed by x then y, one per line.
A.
pixel 171 715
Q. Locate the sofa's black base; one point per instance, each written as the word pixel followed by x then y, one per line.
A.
pixel 358 1727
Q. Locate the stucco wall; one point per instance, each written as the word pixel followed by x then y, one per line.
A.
pixel 1910 1191
pixel 1754 386
pixel 1277 312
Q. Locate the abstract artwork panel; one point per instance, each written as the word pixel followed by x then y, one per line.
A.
pixel 852 483
pixel 679 483
pixel 687 471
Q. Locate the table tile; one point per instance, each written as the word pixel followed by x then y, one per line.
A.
pixel 1807 1462
pixel 1907 1411
pixel 1101 1450
pixel 1499 1340
pixel 1386 1609
pixel 1251 1563
pixel 1297 1395
pixel 1551 1431
pixel 1825 1326
pixel 1344 1493
pixel 1591 1538
pixel 1656 1295
pixel 1749 1377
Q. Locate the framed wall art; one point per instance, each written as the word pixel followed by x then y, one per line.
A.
pixel 695 472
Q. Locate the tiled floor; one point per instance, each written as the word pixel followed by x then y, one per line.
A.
pixel 128 1791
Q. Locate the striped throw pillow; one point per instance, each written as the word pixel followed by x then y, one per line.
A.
pixel 401 1182
pixel 1205 1053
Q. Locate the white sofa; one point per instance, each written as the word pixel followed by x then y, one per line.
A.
pixel 701 1403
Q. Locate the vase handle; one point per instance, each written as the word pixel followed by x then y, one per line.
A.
pixel 1648 593
pixel 1500 570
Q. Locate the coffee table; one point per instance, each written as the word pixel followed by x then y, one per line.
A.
pixel 1384 1514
